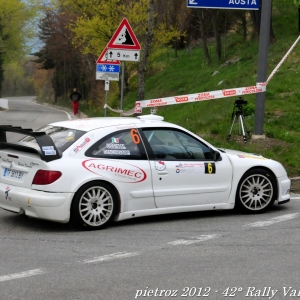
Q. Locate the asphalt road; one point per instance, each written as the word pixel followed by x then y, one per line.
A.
pixel 28 114
pixel 25 113
pixel 181 252
pixel 203 255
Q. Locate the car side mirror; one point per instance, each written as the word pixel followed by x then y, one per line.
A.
pixel 216 155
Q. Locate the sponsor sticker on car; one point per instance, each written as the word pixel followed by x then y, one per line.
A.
pixel 81 144
pixel 7 195
pixel 49 150
pixel 251 156
pixel 183 168
pixel 115 170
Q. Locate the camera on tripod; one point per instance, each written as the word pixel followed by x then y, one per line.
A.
pixel 237 115
pixel 240 102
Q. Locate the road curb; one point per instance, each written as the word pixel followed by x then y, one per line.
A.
pixel 295 185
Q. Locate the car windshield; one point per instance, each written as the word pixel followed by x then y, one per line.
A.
pixel 62 137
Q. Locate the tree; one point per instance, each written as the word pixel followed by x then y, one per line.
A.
pixel 217 33
pixel 97 21
pixel 18 78
pixel 255 19
pixel 59 54
pixel 145 55
pixel 297 3
pixel 14 31
pixel 200 14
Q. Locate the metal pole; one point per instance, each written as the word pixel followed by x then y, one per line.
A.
pixel 299 17
pixel 106 87
pixel 106 96
pixel 122 84
pixel 264 40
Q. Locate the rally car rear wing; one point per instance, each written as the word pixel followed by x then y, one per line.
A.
pixel 47 151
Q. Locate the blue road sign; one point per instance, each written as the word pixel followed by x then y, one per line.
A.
pixel 225 4
pixel 108 68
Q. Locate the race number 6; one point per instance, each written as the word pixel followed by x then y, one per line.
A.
pixel 135 136
pixel 210 168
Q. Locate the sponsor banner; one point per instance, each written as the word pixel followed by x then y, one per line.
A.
pixel 181 99
pixel 204 96
pixel 259 88
pixel 115 170
pixel 253 90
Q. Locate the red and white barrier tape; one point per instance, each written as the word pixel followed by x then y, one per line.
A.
pixel 283 60
pixel 121 112
pixel 259 88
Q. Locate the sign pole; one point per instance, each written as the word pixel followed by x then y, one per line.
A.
pixel 124 46
pixel 106 88
pixel 122 84
pixel 264 40
pixel 106 96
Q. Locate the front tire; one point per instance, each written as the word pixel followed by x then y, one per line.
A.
pixel 256 191
pixel 94 206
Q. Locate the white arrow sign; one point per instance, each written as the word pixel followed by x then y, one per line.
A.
pixel 124 55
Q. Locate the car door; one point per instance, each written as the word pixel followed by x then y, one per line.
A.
pixel 120 158
pixel 183 169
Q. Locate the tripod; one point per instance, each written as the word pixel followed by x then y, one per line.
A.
pixel 237 114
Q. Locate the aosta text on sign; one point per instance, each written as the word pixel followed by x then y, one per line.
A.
pixel 243 2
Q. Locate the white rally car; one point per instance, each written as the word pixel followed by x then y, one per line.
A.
pixel 93 171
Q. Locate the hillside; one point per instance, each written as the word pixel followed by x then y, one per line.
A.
pixel 189 74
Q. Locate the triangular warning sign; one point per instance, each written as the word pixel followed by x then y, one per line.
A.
pixel 124 38
pixel 103 58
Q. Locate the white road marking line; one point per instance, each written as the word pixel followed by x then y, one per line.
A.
pixel 113 256
pixel 194 240
pixel 21 275
pixel 273 221
pixel 68 115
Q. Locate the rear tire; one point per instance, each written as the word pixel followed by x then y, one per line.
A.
pixel 256 191
pixel 94 206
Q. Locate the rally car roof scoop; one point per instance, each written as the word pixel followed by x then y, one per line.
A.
pixel 47 151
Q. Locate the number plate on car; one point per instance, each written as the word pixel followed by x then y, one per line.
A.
pixel 13 174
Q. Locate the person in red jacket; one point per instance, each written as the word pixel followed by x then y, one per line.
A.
pixel 75 97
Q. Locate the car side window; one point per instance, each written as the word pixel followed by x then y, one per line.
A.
pixel 169 144
pixel 118 145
